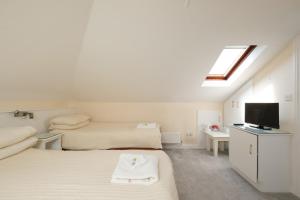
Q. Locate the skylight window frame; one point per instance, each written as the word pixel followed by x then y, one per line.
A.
pixel 239 62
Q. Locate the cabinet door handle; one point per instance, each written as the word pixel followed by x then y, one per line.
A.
pixel 250 149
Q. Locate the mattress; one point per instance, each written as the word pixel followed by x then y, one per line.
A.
pixel 78 175
pixel 109 136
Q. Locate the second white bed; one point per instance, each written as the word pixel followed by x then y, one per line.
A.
pixel 98 135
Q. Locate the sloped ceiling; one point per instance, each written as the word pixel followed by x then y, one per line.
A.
pixel 132 50
pixel 39 46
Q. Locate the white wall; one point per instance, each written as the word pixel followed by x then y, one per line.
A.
pixel 296 138
pixel 40 121
pixel 173 117
pixel 276 82
pixel 43 112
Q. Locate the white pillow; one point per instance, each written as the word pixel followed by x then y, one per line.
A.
pixel 68 127
pixel 17 148
pixel 70 119
pixel 13 135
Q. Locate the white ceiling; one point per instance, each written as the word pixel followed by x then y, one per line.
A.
pixel 133 50
pixel 39 46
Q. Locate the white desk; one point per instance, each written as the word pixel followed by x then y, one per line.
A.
pixel 216 137
pixel 49 141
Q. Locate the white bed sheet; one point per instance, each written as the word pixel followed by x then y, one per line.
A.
pixel 78 175
pixel 98 135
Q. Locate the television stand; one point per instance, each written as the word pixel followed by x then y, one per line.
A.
pixel 261 127
pixel 251 153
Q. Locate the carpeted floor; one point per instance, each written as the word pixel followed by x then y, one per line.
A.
pixel 200 176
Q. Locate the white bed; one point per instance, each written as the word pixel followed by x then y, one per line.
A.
pixel 98 135
pixel 78 175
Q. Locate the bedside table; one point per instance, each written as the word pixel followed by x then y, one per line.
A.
pixel 49 141
pixel 216 137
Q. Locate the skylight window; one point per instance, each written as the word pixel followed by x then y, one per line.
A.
pixel 230 59
pixel 230 64
pixel 226 60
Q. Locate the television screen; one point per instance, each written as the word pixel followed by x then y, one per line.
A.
pixel 262 114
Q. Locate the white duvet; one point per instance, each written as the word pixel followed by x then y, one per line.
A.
pixel 78 175
pixel 98 135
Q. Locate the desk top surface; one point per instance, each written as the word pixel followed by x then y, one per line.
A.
pixel 256 131
pixel 47 135
pixel 217 134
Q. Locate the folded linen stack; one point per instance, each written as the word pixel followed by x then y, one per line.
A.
pixel 147 125
pixel 16 139
pixel 69 122
pixel 136 169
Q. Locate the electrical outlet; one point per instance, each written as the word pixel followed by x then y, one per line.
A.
pixel 288 98
pixel 189 134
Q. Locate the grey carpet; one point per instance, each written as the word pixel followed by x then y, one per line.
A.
pixel 200 176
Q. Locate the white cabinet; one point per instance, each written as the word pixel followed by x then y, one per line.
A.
pixel 261 157
pixel 243 152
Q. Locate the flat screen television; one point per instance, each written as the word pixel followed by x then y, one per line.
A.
pixel 263 115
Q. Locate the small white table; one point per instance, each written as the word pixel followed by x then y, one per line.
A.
pixel 49 141
pixel 216 137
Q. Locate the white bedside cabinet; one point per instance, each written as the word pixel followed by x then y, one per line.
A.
pixel 49 141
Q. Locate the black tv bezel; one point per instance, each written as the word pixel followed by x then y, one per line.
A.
pixel 264 126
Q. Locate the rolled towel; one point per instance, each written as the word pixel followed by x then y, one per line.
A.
pixel 13 135
pixel 147 125
pixel 136 169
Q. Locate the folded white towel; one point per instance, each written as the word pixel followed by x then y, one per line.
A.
pixel 136 169
pixel 147 125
